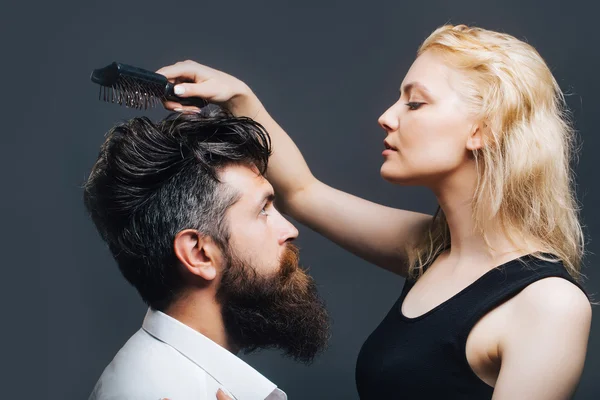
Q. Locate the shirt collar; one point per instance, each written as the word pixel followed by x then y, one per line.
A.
pixel 237 377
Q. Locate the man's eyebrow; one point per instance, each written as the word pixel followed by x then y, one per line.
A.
pixel 268 197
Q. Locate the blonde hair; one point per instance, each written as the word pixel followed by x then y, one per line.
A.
pixel 525 181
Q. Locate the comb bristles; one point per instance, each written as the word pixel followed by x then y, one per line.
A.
pixel 133 93
pixel 129 92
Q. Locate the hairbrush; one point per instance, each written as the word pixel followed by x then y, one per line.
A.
pixel 137 88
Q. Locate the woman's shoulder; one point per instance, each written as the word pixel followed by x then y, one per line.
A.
pixel 553 299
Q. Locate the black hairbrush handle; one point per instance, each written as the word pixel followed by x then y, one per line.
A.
pixel 185 101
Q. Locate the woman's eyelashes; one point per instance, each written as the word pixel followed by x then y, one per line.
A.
pixel 414 105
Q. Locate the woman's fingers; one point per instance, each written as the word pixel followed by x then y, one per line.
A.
pixel 222 396
pixel 172 105
pixel 177 107
pixel 187 70
pixel 213 90
pixel 195 80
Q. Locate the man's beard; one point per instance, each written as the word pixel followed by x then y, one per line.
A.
pixel 283 311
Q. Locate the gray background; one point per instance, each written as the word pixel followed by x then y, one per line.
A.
pixel 325 71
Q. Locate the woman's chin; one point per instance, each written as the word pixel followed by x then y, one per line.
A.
pixel 396 176
pixel 390 170
pixel 390 176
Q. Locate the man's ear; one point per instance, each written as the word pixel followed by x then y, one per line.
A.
pixel 476 138
pixel 198 253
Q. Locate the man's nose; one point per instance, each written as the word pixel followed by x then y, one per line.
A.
pixel 288 232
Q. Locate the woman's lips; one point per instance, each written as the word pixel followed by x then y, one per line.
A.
pixel 389 149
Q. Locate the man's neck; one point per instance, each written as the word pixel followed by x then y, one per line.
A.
pixel 201 312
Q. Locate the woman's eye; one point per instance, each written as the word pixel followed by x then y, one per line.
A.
pixel 264 211
pixel 413 105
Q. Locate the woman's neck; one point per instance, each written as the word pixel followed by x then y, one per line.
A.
pixel 469 245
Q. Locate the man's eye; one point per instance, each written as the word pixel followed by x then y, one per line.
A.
pixel 413 105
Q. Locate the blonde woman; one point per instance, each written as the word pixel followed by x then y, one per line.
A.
pixel 491 306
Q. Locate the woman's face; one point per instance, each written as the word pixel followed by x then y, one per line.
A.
pixel 429 128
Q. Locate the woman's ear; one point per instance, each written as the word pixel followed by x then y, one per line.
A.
pixel 198 253
pixel 476 138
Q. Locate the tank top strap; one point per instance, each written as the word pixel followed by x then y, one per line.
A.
pixel 503 283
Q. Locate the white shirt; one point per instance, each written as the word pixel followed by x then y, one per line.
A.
pixel 167 358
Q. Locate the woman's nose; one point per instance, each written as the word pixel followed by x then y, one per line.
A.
pixel 389 120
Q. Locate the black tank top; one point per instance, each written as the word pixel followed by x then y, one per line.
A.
pixel 425 357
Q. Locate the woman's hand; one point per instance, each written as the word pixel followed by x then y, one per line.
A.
pixel 196 80
pixel 222 396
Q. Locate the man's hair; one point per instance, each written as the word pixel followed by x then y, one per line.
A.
pixel 152 181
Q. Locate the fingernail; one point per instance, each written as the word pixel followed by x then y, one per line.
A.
pixel 179 90
pixel 178 109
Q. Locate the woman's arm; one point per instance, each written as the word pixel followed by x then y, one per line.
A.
pixel 543 352
pixel 373 232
